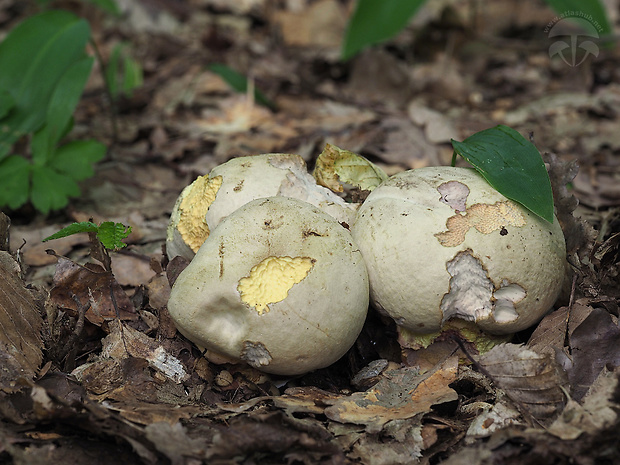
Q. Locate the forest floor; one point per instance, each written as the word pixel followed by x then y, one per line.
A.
pixel 94 390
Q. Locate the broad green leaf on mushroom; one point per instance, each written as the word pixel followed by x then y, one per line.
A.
pixel 512 165
pixel 441 243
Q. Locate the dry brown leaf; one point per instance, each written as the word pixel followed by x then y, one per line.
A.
pixel 594 344
pixel 401 394
pixel 20 327
pixel 91 286
pixel 597 411
pixel 578 233
pixel 533 381
pixel 124 341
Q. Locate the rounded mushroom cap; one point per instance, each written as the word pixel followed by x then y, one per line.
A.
pixel 279 284
pixel 441 243
pixel 209 199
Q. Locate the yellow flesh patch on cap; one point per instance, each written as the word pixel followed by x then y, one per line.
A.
pixel 193 208
pixel 485 218
pixel 270 280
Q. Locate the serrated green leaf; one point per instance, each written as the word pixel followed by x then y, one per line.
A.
pixel 374 21
pixel 51 190
pixel 33 57
pixel 74 228
pixel 239 83
pixel 76 158
pixel 112 234
pixel 335 166
pixel 512 165
pixel 15 185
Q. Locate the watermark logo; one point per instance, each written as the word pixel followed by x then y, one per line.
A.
pixel 574 31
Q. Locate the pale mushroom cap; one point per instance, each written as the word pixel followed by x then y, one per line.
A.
pixel 209 199
pixel 495 263
pixel 278 284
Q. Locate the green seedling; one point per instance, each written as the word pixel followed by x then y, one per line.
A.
pixel 44 70
pixel 239 83
pixel 110 234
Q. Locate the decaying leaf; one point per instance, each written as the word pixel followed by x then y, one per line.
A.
pixel 579 234
pixel 20 327
pixel 124 341
pixel 335 166
pixel 533 381
pixel 594 344
pixel 596 412
pixel 93 287
pixel 401 394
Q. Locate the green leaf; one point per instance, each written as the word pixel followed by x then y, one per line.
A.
pixel 111 234
pixel 239 83
pixel 15 185
pixel 74 228
pixel 75 159
pixel 592 11
pixel 374 21
pixel 51 190
pixel 7 102
pixel 109 6
pixel 132 75
pixel 33 58
pixel 512 165
pixel 111 72
pixel 66 96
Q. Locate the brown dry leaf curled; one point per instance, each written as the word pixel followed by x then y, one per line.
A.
pixel 90 284
pixel 20 327
pixel 401 394
pixel 533 381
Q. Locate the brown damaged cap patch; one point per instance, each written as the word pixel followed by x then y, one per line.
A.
pixel 484 217
pixel 255 354
pixel 193 208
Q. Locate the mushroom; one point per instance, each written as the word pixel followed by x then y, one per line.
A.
pixel 279 284
pixel 440 243
pixel 210 198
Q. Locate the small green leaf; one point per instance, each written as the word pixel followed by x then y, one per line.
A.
pixel 51 190
pixel 512 165
pixel 74 228
pixel 239 83
pixel 112 234
pixel 109 6
pixel 374 21
pixel 132 75
pixel 15 184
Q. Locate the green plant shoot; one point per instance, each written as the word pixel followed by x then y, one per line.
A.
pixel 110 234
pixel 239 83
pixel 512 165
pixel 44 70
pixel 375 21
